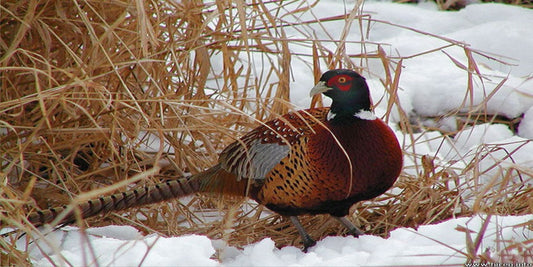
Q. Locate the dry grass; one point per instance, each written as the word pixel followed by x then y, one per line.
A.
pixel 459 4
pixel 87 86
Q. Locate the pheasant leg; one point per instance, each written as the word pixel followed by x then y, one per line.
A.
pixel 307 240
pixel 352 229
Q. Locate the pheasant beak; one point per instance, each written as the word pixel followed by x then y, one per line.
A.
pixel 320 87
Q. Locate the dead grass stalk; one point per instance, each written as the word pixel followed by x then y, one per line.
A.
pixel 94 92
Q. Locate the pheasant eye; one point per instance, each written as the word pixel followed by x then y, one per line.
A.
pixel 341 82
pixel 341 79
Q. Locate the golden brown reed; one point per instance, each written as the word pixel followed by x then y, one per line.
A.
pixel 459 4
pixel 101 93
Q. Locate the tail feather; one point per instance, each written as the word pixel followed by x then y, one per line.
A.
pixel 128 199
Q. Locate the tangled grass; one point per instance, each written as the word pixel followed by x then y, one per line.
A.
pixel 95 92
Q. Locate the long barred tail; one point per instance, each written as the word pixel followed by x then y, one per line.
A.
pixel 128 199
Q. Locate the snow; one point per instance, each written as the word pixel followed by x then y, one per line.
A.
pixel 432 83
pixel 477 25
pixel 526 126
pixel 443 243
pixel 112 248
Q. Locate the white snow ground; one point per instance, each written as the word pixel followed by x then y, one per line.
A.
pixel 431 84
pixel 443 243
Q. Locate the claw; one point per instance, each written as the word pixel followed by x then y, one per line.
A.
pixel 306 238
pixel 352 229
pixel 308 244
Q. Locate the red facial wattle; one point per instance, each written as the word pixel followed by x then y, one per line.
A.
pixel 343 82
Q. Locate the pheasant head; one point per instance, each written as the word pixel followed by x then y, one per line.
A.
pixel 349 92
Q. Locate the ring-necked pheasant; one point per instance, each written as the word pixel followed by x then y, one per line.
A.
pixel 314 161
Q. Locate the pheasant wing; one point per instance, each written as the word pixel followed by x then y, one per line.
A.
pixel 256 153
